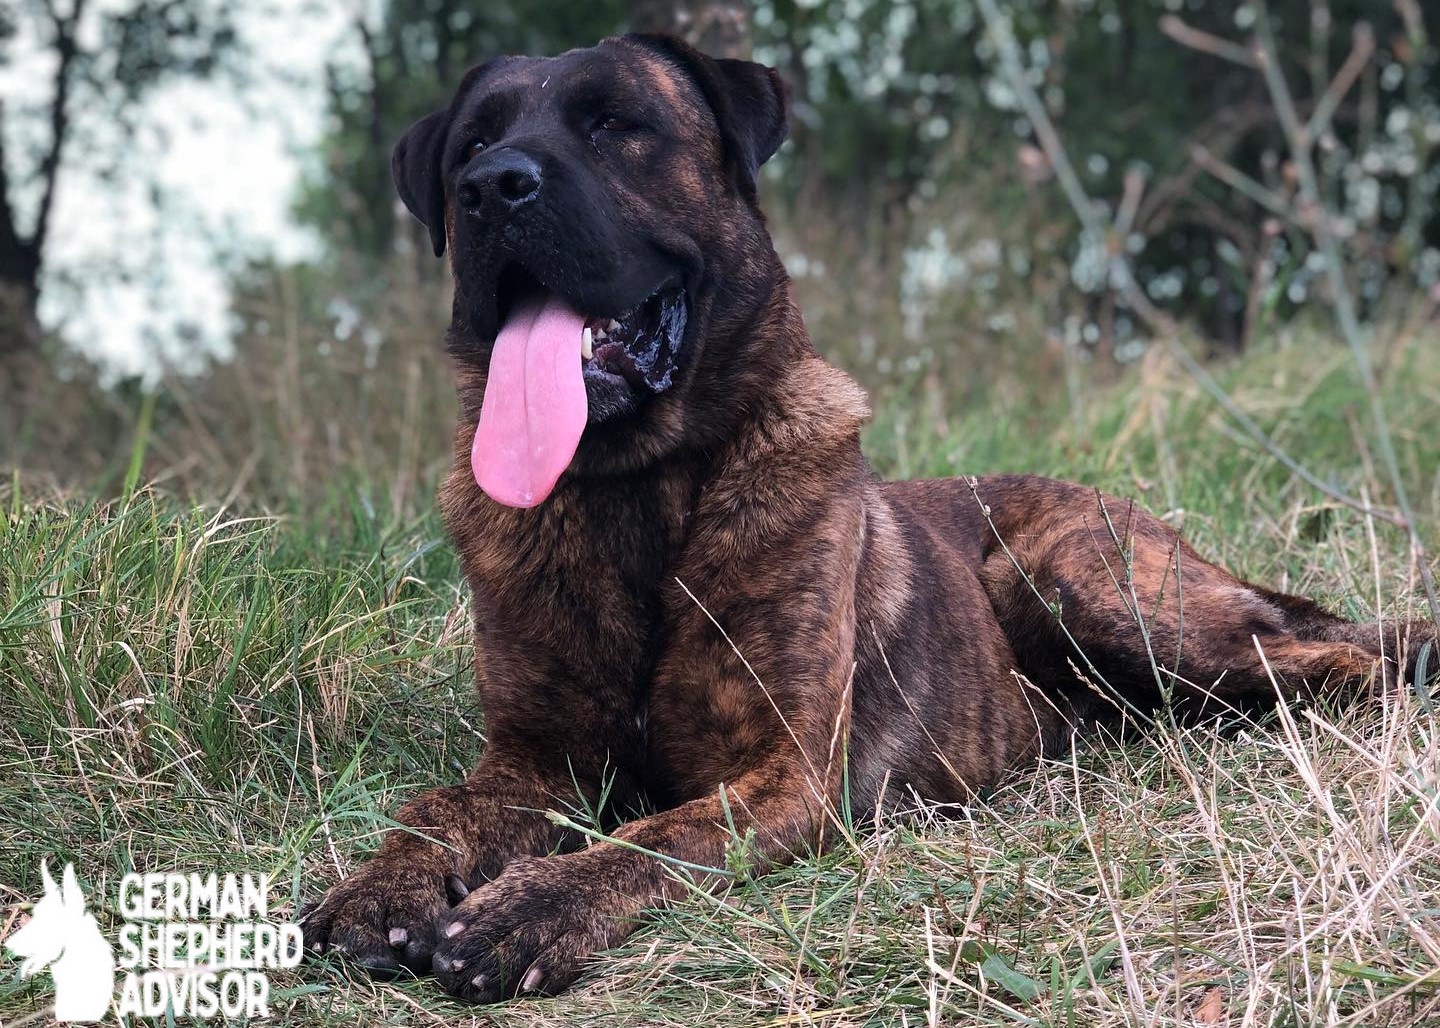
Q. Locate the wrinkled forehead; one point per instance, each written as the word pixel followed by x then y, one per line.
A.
pixel 614 72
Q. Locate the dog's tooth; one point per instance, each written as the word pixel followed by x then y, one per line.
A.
pixel 612 325
pixel 587 343
pixel 600 335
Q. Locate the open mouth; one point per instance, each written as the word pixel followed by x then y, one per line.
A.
pixel 640 346
pixel 539 389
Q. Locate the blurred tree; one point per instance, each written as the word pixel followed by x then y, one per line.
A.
pixel 720 28
pixel 896 103
pixel 878 90
pixel 99 57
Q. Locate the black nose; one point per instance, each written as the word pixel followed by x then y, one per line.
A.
pixel 508 175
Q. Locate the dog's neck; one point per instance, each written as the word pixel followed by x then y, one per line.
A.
pixel 763 366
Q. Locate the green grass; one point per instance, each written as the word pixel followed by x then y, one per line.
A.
pixel 194 688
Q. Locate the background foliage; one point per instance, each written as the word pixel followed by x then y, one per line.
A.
pixel 906 145
pixel 897 112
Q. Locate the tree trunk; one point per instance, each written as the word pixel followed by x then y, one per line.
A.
pixel 20 258
pixel 19 283
pixel 720 28
pixel 19 331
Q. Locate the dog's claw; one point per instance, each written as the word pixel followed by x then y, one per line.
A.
pixel 383 918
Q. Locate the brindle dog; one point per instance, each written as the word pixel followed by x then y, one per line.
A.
pixel 689 586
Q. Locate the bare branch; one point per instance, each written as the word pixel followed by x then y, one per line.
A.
pixel 1218 135
pixel 1360 53
pixel 1160 322
pixel 1129 203
pixel 1243 183
pixel 1196 39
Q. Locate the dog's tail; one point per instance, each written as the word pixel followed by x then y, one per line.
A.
pixel 1411 647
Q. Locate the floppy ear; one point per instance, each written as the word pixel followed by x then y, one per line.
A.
pixel 748 100
pixel 415 167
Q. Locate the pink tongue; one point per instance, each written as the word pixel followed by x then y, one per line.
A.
pixel 534 408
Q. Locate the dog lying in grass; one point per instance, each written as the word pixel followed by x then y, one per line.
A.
pixel 689 587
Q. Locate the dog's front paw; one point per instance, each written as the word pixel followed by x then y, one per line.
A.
pixel 529 931
pixel 383 916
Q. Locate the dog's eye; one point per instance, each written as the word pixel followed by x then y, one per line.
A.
pixel 475 146
pixel 615 123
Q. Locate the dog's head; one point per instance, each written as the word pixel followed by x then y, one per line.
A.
pixel 599 209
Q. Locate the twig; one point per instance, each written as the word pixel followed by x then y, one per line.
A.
pixel 1261 276
pixel 1360 54
pixel 1129 204
pixel 320 797
pixel 1242 183
pixel 48 1010
pixel 1197 39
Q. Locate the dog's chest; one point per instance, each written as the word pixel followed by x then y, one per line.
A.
pixel 576 586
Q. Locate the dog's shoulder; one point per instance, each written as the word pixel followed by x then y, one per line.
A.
pixel 813 408
pixel 794 462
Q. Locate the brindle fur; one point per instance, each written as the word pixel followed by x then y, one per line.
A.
pixel 876 627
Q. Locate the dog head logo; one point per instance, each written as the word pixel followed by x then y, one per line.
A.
pixel 62 936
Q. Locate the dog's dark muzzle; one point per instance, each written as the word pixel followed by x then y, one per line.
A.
pixel 505 179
